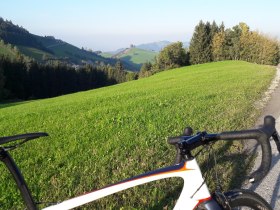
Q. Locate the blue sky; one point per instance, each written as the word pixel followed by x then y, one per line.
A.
pixel 111 24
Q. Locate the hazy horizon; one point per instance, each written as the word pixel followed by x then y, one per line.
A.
pixel 109 25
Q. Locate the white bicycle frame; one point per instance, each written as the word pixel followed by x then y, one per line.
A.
pixel 194 191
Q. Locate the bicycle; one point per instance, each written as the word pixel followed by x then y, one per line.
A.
pixel 194 195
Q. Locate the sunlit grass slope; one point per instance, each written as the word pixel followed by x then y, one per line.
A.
pixel 101 136
pixel 139 56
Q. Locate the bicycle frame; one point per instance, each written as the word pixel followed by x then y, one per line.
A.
pixel 193 193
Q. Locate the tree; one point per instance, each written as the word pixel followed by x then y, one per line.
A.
pixel 245 42
pixel 233 47
pixel 130 76
pixel 214 29
pixel 146 70
pixel 219 46
pixel 2 83
pixel 200 45
pixel 268 50
pixel 119 73
pixel 172 56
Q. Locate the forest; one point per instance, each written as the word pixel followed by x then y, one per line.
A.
pixel 25 79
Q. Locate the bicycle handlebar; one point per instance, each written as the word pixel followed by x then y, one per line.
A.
pixel 262 135
pixel 27 136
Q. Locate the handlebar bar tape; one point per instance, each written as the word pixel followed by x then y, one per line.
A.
pixel 262 135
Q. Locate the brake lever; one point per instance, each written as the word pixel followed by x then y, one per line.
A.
pixel 276 139
pixel 188 131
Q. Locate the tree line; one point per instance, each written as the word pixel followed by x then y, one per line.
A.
pixel 211 42
pixel 27 79
pixel 215 43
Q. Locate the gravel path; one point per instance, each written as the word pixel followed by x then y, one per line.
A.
pixel 269 187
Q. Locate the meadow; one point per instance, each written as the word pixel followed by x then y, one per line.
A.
pixel 101 136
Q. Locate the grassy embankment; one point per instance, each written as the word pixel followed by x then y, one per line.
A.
pixel 101 136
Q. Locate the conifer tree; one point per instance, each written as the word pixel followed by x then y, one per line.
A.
pixel 232 38
pixel 200 45
pixel 214 29
pixel 146 70
pixel 2 83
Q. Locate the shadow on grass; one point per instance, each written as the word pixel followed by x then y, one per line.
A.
pixel 7 104
pixel 236 170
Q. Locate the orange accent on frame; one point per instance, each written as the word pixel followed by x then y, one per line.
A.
pixel 202 200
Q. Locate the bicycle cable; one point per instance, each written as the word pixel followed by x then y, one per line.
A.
pixel 219 192
pixel 206 174
pixel 14 146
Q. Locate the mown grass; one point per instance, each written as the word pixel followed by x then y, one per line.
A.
pixel 101 136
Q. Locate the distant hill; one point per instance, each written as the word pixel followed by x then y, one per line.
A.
pixel 158 46
pixel 139 54
pixel 154 46
pixel 134 56
pixel 44 48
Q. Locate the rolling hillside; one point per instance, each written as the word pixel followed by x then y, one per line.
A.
pixel 101 136
pixel 154 46
pixel 136 56
pixel 44 48
pixel 139 54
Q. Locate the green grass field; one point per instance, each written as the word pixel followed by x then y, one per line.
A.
pixel 139 56
pixel 101 136
pixel 134 56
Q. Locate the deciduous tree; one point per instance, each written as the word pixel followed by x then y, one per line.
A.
pixel 172 56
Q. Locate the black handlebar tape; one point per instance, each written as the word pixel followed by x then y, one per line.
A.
pixel 269 121
pixel 276 140
pixel 267 130
pixel 262 135
pixel 174 140
pixel 28 136
pixel 178 158
pixel 264 168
